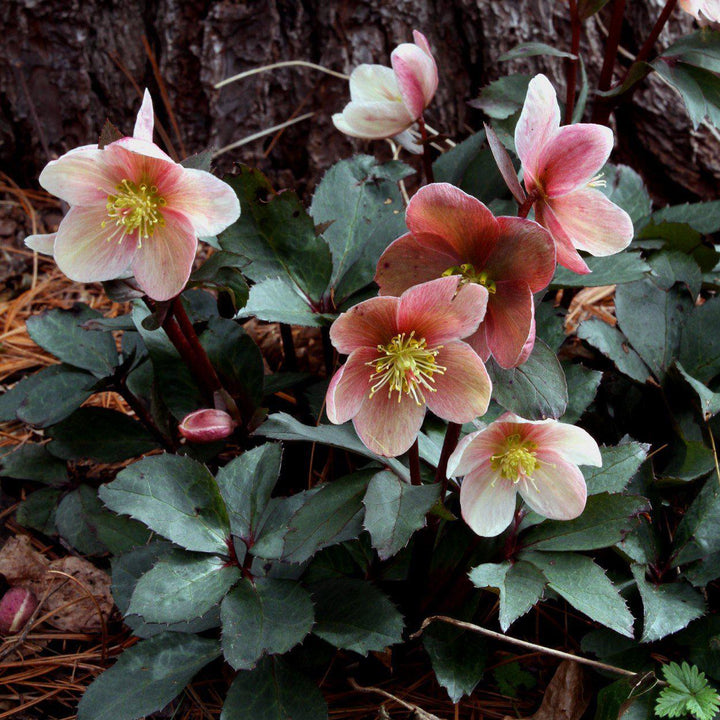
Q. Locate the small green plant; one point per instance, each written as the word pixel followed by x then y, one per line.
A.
pixel 687 693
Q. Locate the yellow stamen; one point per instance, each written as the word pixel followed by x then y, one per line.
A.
pixel 471 275
pixel 135 209
pixel 597 181
pixel 406 365
pixel 518 460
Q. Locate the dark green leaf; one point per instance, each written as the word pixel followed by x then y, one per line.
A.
pixel 34 462
pixel 504 97
pixel 586 8
pixel 703 217
pixel 697 535
pixel 99 434
pixel 690 460
pixel 582 387
pixel 265 617
pixel 108 134
pixel 625 188
pixel 708 400
pixel 531 49
pixel 699 89
pixel 199 161
pixel 273 300
pixel 355 615
pixel 625 267
pixel 147 677
pixel 223 270
pixel 60 332
pixel 37 511
pixel 700 349
pixel 182 587
pixel 273 691
pixel 619 465
pixel 536 390
pixel 671 266
pixel 620 701
pixel 174 496
pixel 394 510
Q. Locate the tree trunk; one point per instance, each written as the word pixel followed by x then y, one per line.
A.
pixel 67 65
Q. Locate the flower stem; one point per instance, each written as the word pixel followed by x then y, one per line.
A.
pixel 572 64
pixel 427 159
pixel 452 435
pixel 524 209
pixel 648 45
pixel 290 357
pixel 144 416
pixel 414 460
pixel 601 111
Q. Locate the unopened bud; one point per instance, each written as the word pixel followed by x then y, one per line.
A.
pixel 207 425
pixel 16 607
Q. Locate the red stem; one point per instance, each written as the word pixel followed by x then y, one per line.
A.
pixel 524 209
pixel 427 159
pixel 572 65
pixel 452 435
pixel 646 49
pixel 414 460
pixel 601 111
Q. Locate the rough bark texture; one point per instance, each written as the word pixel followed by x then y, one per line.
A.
pixel 66 65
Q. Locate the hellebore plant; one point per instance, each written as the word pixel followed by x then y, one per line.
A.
pixel 453 233
pixel 560 166
pixel 406 353
pixel 133 211
pixel 537 459
pixel 386 102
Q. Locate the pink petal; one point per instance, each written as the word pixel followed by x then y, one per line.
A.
pixel 524 251
pixel 440 312
pixel 592 222
pixel 422 42
pixel 575 154
pixel 505 164
pixel 141 147
pixel 350 386
pixel 163 262
pixel 86 251
pixel 81 177
pixel 568 441
pixel 406 263
pixel 508 322
pixel 487 501
pixel 43 244
pixel 417 77
pixel 373 120
pixel 127 163
pixel 566 254
pixel 207 425
pixel 368 324
pixel 529 344
pixel 206 201
pixel 479 343
pixel 557 490
pixel 441 210
pixel 386 426
pixel 539 121
pixel 463 392
pixel 145 119
pixel 474 450
pixel 370 83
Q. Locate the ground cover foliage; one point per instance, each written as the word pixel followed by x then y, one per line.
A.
pixel 231 550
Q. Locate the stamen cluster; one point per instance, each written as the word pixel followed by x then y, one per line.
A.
pixel 135 208
pixel 518 461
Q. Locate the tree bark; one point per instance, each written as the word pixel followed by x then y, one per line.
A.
pixel 67 65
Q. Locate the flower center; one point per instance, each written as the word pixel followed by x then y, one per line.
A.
pixel 405 365
pixel 518 461
pixel 135 208
pixel 471 275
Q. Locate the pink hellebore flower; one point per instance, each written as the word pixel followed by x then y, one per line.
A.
pixel 703 11
pixel 385 102
pixel 406 353
pixel 207 425
pixel 560 166
pixel 538 459
pixel 452 233
pixel 134 211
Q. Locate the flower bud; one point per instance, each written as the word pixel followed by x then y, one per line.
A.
pixel 207 425
pixel 16 607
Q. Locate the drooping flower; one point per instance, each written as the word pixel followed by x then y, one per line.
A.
pixel 133 211
pixel 538 459
pixel 704 11
pixel 560 166
pixel 385 102
pixel 452 233
pixel 207 425
pixel 406 353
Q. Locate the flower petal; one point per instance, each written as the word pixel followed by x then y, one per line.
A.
pixel 350 386
pixel 126 162
pixel 81 177
pixel 84 249
pixel 557 490
pixel 163 262
pixel 463 392
pixel 440 311
pixel 568 441
pixel 373 120
pixel 368 324
pixel 406 140
pixel 442 211
pixel 538 122
pixel 43 244
pixel 371 83
pixel 472 451
pixel 566 254
pixel 592 222
pixel 505 164
pixel 145 119
pixel 417 76
pixel 406 262
pixel 141 147
pixel 479 343
pixel 386 426
pixel 209 203
pixel 487 501
pixel 509 321
pixel 575 154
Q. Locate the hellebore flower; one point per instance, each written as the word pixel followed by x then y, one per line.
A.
pixel 452 233
pixel 207 425
pixel 406 353
pixel 134 211
pixel 560 166
pixel 538 459
pixel 385 102
pixel 703 11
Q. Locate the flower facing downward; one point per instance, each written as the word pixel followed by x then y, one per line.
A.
pixel 538 459
pixel 560 166
pixel 207 425
pixel 133 211
pixel 385 102
pixel 406 353
pixel 704 11
pixel 452 233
